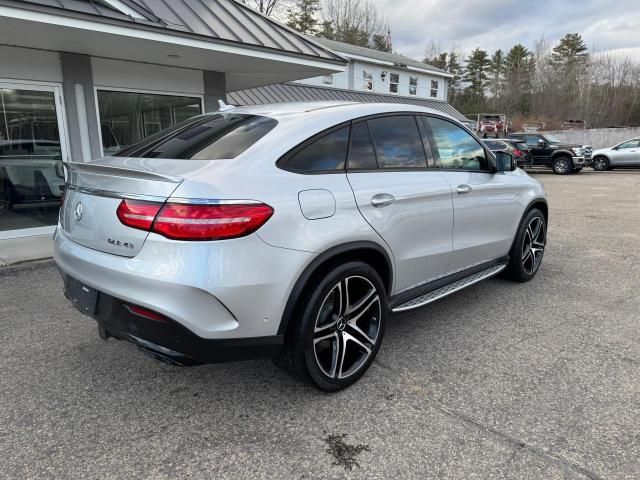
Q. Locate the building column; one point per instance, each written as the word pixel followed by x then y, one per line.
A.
pixel 80 107
pixel 215 88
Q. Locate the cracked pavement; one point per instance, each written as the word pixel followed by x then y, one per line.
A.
pixel 501 380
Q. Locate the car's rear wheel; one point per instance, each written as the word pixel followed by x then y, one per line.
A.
pixel 339 327
pixel 600 164
pixel 562 165
pixel 528 247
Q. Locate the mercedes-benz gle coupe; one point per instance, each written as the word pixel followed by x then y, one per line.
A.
pixel 291 231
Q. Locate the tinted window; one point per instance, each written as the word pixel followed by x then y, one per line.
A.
pixel 325 154
pixel 361 153
pixel 397 142
pixel 629 144
pixel 494 144
pixel 532 140
pixel 210 137
pixel 456 148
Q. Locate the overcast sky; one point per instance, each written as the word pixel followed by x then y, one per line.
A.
pixel 606 25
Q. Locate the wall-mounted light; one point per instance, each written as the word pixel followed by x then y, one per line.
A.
pixel 383 75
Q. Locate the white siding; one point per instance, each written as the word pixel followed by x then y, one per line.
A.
pixel 29 64
pixel 142 76
pixel 341 80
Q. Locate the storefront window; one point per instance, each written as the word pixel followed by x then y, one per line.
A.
pixel 127 117
pixel 31 173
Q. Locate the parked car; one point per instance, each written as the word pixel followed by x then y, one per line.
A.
pixel 622 155
pixel 517 148
pixel 548 151
pixel 291 231
pixel 31 173
pixel 492 125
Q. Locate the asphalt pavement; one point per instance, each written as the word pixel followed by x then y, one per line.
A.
pixel 501 380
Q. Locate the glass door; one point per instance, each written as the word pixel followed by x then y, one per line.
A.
pixel 32 149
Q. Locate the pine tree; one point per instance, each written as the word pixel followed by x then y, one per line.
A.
pixel 454 68
pixel 476 74
pixel 496 73
pixel 570 52
pixel 381 42
pixel 302 16
pixel 518 75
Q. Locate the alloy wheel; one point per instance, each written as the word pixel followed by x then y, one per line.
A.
pixel 347 327
pixel 533 245
pixel 562 165
pixel 599 164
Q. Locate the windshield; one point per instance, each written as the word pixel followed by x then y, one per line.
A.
pixel 552 138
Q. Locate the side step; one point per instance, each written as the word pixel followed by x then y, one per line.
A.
pixel 438 293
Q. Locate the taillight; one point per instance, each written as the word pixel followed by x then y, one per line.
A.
pixel 210 222
pixel 518 153
pixel 138 214
pixel 194 222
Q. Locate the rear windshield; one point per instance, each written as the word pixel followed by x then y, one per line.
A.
pixel 206 137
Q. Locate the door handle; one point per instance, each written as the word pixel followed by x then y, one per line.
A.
pixel 382 200
pixel 463 189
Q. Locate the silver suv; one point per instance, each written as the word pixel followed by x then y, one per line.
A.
pixel 291 231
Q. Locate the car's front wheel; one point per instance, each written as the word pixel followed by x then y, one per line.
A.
pixel 339 327
pixel 600 164
pixel 528 247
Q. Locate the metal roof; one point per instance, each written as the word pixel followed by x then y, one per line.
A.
pixel 224 20
pixel 396 59
pixel 295 92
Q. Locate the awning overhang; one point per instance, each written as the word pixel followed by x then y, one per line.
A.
pixel 244 66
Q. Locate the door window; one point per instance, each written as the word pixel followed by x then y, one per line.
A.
pixel 532 140
pixel 456 148
pixel 31 173
pixel 629 144
pixel 326 154
pixel 361 153
pixel 397 142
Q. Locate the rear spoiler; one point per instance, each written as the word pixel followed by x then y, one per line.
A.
pixel 73 169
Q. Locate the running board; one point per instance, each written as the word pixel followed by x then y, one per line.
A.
pixel 438 293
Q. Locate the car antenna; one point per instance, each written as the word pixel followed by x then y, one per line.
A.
pixel 223 107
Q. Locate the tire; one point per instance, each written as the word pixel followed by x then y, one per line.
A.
pixel 562 165
pixel 314 349
pixel 528 247
pixel 601 164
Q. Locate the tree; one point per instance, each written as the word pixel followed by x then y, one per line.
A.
pixel 352 21
pixel 475 75
pixel 454 68
pixel 570 52
pixel 518 72
pixel 496 75
pixel 381 42
pixel 302 16
pixel 268 7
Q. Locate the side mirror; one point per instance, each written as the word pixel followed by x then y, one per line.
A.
pixel 505 162
pixel 541 143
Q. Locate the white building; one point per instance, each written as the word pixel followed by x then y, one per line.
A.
pixel 370 76
pixel 379 72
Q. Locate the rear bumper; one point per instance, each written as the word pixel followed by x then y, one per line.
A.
pixel 231 289
pixel 167 340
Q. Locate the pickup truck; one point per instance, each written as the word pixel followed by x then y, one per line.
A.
pixel 548 151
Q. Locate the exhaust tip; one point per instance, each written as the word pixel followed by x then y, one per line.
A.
pixel 163 354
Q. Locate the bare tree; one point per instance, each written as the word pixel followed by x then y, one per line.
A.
pixel 268 7
pixel 352 21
